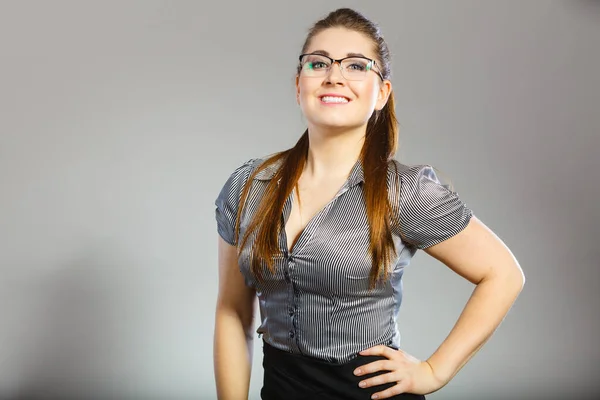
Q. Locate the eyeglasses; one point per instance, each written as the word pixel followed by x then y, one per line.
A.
pixel 353 68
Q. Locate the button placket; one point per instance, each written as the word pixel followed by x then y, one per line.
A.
pixel 289 270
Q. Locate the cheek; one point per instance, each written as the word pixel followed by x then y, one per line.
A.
pixel 306 86
pixel 367 91
pixel 371 92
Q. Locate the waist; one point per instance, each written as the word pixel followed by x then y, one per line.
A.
pixel 323 345
pixel 313 378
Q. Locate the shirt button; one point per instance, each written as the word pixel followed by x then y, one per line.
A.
pixel 291 334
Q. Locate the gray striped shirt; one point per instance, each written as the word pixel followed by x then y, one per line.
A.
pixel 318 303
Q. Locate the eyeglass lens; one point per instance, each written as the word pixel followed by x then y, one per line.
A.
pixel 352 68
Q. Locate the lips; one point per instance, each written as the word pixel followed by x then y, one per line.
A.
pixel 334 95
pixel 336 99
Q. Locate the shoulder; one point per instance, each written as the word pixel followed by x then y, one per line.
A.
pixel 419 189
pixel 228 199
pixel 236 180
pixel 240 174
pixel 429 211
pixel 243 171
pixel 410 171
pixel 410 176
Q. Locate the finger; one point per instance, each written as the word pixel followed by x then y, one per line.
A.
pixel 390 377
pixel 380 365
pixel 395 390
pixel 380 351
pixel 375 350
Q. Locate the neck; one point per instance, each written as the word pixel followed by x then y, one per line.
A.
pixel 333 153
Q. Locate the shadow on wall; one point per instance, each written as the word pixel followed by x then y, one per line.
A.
pixel 76 336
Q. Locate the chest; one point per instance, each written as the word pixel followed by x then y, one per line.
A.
pixel 304 207
pixel 325 242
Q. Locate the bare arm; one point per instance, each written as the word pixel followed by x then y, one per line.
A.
pixel 479 256
pixel 233 339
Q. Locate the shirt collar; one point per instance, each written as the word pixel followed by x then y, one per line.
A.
pixel 356 173
pixel 267 173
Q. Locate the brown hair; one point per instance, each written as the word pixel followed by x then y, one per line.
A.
pixel 379 147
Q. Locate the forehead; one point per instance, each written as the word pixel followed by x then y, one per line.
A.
pixel 339 42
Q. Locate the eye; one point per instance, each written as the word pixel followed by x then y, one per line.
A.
pixel 357 67
pixel 317 65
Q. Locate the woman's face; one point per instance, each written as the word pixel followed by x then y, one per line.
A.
pixel 363 96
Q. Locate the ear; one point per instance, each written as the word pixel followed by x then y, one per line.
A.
pixel 298 89
pixel 385 88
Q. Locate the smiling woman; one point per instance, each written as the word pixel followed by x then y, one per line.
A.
pixel 321 234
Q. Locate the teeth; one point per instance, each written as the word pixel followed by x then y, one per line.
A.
pixel 332 99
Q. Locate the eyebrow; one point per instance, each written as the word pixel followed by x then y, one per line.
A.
pixel 326 53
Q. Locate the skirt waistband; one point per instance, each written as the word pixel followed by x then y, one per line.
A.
pixel 295 377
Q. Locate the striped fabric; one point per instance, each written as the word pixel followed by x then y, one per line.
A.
pixel 318 302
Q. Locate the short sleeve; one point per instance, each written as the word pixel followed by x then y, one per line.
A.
pixel 429 211
pixel 228 200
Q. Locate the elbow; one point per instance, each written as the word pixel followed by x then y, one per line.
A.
pixel 513 279
pixel 240 316
pixel 518 276
pixel 522 278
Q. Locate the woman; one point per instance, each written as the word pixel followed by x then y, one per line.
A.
pixel 321 233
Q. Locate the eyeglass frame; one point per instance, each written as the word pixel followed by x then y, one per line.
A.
pixel 339 61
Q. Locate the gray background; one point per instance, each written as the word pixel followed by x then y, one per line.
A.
pixel 120 121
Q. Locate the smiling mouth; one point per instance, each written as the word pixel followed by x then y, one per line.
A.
pixel 334 100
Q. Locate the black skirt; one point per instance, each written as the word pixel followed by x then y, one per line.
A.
pixel 294 377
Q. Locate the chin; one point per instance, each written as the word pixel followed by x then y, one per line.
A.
pixel 337 123
pixel 334 120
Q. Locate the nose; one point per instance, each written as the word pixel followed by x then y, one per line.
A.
pixel 334 75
